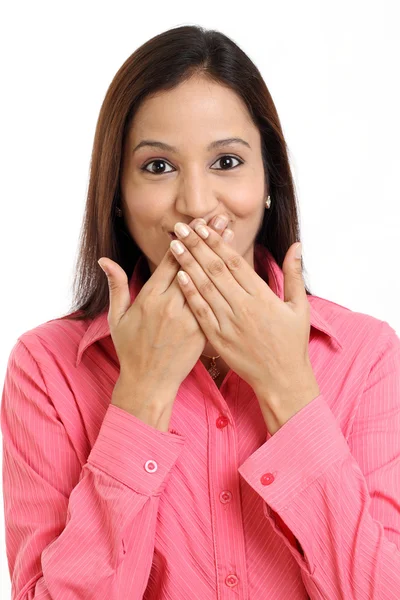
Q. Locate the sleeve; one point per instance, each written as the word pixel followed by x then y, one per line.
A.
pixel 339 500
pixel 64 521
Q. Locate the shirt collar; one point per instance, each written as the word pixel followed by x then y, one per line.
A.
pixel 263 263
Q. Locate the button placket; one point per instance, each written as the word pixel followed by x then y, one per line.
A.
pixel 226 498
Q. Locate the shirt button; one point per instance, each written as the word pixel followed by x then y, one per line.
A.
pixel 222 422
pixel 151 466
pixel 267 478
pixel 225 496
pixel 231 580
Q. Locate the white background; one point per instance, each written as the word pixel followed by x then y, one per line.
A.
pixel 333 72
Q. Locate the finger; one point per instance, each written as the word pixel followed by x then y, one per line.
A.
pixel 211 223
pixel 205 315
pixel 165 273
pixel 222 302
pixel 119 295
pixel 220 306
pixel 228 270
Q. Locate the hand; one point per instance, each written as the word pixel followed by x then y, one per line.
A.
pixel 264 340
pixel 157 339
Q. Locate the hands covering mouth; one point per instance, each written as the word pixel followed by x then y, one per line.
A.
pixel 224 225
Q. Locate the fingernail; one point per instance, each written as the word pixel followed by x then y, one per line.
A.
pixel 202 231
pixel 298 251
pixel 103 267
pixel 183 278
pixel 195 221
pixel 227 235
pixel 220 222
pixel 181 229
pixel 177 247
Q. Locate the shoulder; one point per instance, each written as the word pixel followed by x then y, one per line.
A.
pixel 57 338
pixel 348 320
pixel 358 332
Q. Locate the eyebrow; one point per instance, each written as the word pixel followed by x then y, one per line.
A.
pixel 215 144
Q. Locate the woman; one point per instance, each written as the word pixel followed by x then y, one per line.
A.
pixel 175 441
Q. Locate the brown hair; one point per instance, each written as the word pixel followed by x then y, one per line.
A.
pixel 162 63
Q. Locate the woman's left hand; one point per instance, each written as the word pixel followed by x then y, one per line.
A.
pixel 264 340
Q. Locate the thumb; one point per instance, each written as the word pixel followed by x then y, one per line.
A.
pixel 294 288
pixel 120 298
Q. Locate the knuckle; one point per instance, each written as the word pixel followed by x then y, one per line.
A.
pixel 215 242
pixel 206 287
pixel 234 262
pixel 202 312
pixel 170 311
pixel 191 292
pixel 216 267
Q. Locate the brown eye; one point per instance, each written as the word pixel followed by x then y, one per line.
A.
pixel 158 161
pixel 227 158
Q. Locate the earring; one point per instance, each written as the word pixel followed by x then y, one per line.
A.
pixel 268 202
pixel 118 211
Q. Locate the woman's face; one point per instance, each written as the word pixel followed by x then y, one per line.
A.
pixel 161 187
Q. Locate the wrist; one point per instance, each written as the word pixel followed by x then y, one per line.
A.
pixel 145 401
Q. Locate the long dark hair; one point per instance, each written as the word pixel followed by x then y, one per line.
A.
pixel 162 63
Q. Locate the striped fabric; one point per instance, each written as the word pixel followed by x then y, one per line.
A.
pixel 101 506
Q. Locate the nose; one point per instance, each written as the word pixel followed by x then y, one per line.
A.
pixel 196 196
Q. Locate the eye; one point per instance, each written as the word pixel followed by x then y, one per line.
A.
pixel 162 161
pixel 229 157
pixel 157 160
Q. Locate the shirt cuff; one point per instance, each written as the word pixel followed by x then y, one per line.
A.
pixel 133 452
pixel 298 453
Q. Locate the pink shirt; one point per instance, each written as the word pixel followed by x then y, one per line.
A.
pixel 101 506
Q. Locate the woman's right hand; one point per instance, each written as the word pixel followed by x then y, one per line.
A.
pixel 157 338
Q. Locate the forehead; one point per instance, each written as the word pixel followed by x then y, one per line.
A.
pixel 196 107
